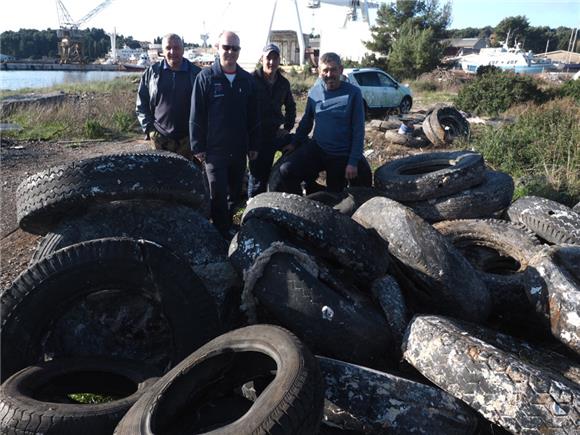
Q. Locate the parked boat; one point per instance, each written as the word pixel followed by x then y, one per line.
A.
pixel 508 59
pixel 140 65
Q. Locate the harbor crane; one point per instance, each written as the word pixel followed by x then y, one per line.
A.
pixel 70 46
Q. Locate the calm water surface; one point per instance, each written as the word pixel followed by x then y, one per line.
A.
pixel 41 79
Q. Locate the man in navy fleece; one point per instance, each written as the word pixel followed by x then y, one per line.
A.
pixel 336 110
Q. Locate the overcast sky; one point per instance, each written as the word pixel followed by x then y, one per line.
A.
pixel 145 19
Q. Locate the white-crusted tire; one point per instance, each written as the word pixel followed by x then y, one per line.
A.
pixel 448 283
pixel 43 199
pixel 512 392
pixel 549 219
pixel 363 400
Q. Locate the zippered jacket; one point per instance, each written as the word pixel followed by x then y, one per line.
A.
pixel 148 97
pixel 224 120
pixel 271 98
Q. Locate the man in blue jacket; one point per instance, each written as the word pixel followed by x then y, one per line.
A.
pixel 335 109
pixel 224 128
pixel 164 98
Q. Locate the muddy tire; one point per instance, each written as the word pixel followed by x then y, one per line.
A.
pixel 362 400
pixel 449 283
pixel 576 208
pixel 507 390
pixel 550 220
pixel 111 297
pixel 430 175
pixel 177 227
pixel 485 200
pixel 553 285
pixel 327 313
pixel 37 398
pixel 327 231
pixel 45 198
pixel 443 124
pixel 347 201
pixel 291 404
pixel 500 252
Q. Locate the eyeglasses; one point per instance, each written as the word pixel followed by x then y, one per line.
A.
pixel 233 48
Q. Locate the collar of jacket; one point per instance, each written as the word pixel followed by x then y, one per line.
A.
pixel 260 73
pixel 217 68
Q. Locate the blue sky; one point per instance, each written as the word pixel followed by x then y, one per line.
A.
pixel 479 13
pixel 145 19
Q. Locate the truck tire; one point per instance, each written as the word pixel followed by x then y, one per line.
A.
pixel 36 400
pixel 325 230
pixel 363 400
pixel 553 285
pixel 500 252
pixel 109 297
pixel 43 199
pixel 430 175
pixel 549 219
pixel 448 282
pixel 331 316
pixel 292 403
pixel 485 200
pixel 512 392
pixel 177 227
pixel 444 124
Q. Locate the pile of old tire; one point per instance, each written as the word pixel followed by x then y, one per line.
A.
pixel 129 270
pixel 349 287
pixel 443 124
pixel 390 130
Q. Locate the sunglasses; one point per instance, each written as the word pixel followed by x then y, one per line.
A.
pixel 233 48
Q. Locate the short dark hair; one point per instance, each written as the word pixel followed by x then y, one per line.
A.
pixel 330 57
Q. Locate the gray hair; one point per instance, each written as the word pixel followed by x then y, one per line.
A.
pixel 330 57
pixel 173 36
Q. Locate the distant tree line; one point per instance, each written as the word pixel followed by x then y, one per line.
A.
pixel 407 36
pixel 39 44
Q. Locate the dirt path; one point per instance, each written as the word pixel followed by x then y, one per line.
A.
pixel 18 161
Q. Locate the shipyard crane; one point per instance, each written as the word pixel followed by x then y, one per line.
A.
pixel 70 47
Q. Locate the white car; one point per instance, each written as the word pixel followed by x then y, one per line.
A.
pixel 380 91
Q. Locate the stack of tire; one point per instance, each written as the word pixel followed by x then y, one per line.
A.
pixel 455 300
pixel 390 131
pixel 443 124
pixel 129 279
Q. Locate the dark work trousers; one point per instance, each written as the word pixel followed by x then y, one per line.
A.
pixel 225 190
pixel 307 161
pixel 261 167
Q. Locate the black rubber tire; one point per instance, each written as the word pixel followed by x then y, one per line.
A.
pixel 109 297
pixel 36 399
pixel 291 404
pixel 347 201
pixel 430 175
pixel 45 198
pixel 505 389
pixel 406 104
pixel 275 183
pixel 332 233
pixel 327 313
pixel 177 227
pixel 450 285
pixel 362 400
pixel 549 219
pixel 443 124
pixel 485 200
pixel 499 251
pixel 553 285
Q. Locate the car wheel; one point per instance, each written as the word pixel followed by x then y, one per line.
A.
pixel 406 104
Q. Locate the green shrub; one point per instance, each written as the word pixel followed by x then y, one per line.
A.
pixel 124 121
pixel 494 92
pixel 540 149
pixel 424 86
pixel 570 89
pixel 93 129
pixel 486 69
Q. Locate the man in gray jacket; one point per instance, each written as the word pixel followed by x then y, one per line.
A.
pixel 164 98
